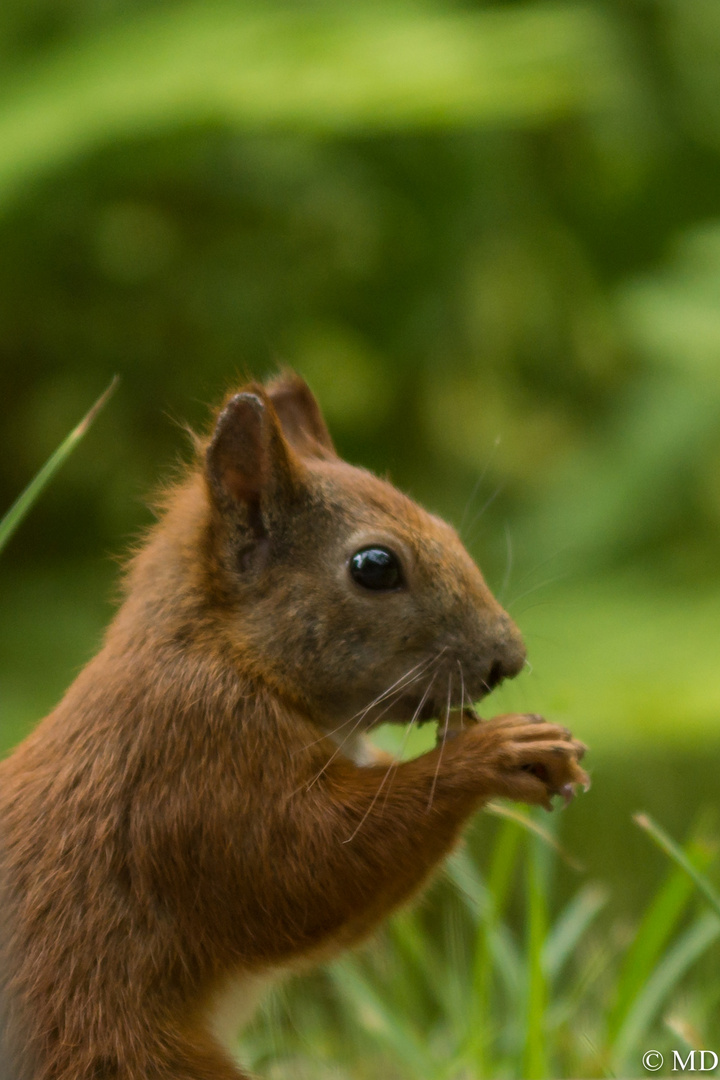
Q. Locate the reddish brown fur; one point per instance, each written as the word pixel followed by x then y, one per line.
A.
pixel 183 816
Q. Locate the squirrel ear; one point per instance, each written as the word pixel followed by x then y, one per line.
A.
pixel 248 461
pixel 300 416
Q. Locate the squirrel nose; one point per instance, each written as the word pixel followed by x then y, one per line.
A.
pixel 507 663
pixel 496 674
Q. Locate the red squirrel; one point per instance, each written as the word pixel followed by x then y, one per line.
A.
pixel 202 810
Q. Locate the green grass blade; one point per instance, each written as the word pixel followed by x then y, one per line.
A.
pixel 506 961
pixel 688 948
pixel 30 495
pixel 493 948
pixel 510 813
pixel 418 976
pixel 680 858
pixel 383 1020
pixel 471 888
pixel 588 979
pixel 496 949
pixel 486 904
pixel 535 1065
pixel 570 927
pixel 658 923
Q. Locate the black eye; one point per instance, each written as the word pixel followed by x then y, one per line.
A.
pixel 376 568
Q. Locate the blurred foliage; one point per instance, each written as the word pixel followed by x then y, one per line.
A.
pixel 468 224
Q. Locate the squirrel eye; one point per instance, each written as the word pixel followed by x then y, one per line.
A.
pixel 376 568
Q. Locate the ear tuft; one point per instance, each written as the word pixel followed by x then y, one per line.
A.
pixel 238 457
pixel 299 413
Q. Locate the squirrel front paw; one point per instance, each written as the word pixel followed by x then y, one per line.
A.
pixel 531 760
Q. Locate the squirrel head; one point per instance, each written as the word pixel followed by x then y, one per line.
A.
pixel 336 585
pixel 329 583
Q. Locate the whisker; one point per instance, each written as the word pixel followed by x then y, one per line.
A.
pixel 462 694
pixel 471 708
pixel 543 562
pixel 391 767
pixel 356 725
pixel 508 563
pixel 376 796
pixel 376 701
pixel 406 736
pixel 483 508
pixel 478 483
pixel 405 682
pixel 541 585
pixel 442 744
pixel 421 664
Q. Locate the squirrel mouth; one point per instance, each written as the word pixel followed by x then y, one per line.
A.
pixel 452 711
pixel 453 719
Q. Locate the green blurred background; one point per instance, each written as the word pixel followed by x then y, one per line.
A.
pixel 487 234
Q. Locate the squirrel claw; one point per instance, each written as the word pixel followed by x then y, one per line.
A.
pixel 568 794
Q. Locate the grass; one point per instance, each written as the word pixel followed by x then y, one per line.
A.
pixel 488 977
pixel 12 519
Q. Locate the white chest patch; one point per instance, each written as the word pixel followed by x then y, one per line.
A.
pixel 233 1006
pixel 357 748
